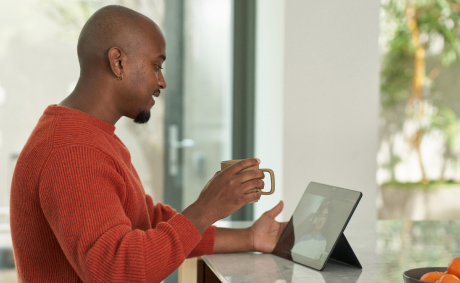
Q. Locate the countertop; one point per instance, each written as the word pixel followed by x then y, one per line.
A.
pixel 258 267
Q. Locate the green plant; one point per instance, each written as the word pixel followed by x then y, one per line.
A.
pixel 416 30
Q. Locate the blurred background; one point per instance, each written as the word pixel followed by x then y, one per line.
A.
pixel 419 138
pixel 419 147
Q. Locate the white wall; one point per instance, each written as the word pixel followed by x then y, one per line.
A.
pixel 330 99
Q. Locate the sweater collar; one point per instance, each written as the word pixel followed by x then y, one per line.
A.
pixel 61 110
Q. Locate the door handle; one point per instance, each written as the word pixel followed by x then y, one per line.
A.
pixel 174 145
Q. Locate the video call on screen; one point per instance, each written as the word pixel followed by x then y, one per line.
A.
pixel 316 224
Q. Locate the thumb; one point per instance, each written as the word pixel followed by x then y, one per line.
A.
pixel 275 210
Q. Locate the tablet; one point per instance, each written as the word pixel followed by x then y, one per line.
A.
pixel 317 224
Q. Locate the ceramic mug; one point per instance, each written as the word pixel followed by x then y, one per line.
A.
pixel 227 163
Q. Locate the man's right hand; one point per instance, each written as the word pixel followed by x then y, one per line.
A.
pixel 225 193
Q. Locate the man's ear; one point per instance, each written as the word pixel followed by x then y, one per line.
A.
pixel 117 61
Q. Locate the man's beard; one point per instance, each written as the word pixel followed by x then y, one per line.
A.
pixel 143 117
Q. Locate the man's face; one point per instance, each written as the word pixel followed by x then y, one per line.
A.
pixel 145 77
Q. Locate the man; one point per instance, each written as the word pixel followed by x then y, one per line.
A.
pixel 78 209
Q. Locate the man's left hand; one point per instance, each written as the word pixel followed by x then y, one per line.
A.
pixel 266 231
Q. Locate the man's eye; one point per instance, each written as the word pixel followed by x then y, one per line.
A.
pixel 159 67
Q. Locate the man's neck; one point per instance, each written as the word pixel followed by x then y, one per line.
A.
pixel 89 98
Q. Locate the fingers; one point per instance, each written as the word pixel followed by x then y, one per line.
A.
pixel 250 175
pixel 247 198
pixel 253 184
pixel 243 164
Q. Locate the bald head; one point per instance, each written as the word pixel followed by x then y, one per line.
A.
pixel 111 26
pixel 121 53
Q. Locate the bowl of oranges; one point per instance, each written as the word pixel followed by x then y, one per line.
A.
pixel 449 274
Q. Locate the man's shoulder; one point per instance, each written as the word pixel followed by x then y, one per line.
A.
pixel 70 131
pixel 54 132
pixel 40 141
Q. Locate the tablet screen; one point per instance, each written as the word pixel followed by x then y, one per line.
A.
pixel 319 219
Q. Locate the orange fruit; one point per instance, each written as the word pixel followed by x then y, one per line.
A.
pixel 432 276
pixel 448 278
pixel 454 267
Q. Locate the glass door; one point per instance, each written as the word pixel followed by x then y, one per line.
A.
pixel 198 99
pixel 198 114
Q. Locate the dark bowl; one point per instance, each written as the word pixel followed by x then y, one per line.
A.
pixel 414 275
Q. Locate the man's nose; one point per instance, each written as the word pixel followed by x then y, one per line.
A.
pixel 162 82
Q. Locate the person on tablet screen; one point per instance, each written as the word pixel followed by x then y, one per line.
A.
pixel 313 244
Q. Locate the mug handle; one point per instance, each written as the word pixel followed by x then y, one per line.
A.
pixel 272 179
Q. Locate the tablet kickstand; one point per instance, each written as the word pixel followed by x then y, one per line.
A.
pixel 344 253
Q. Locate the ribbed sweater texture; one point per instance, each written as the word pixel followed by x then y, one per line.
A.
pixel 79 213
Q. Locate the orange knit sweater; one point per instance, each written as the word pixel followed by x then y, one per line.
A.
pixel 79 212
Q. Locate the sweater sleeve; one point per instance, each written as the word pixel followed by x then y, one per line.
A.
pixel 206 245
pixel 82 194
pixel 161 212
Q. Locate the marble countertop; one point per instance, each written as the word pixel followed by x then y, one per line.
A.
pixel 268 268
pixel 385 248
pixel 403 245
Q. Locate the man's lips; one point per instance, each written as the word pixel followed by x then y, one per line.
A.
pixel 156 94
